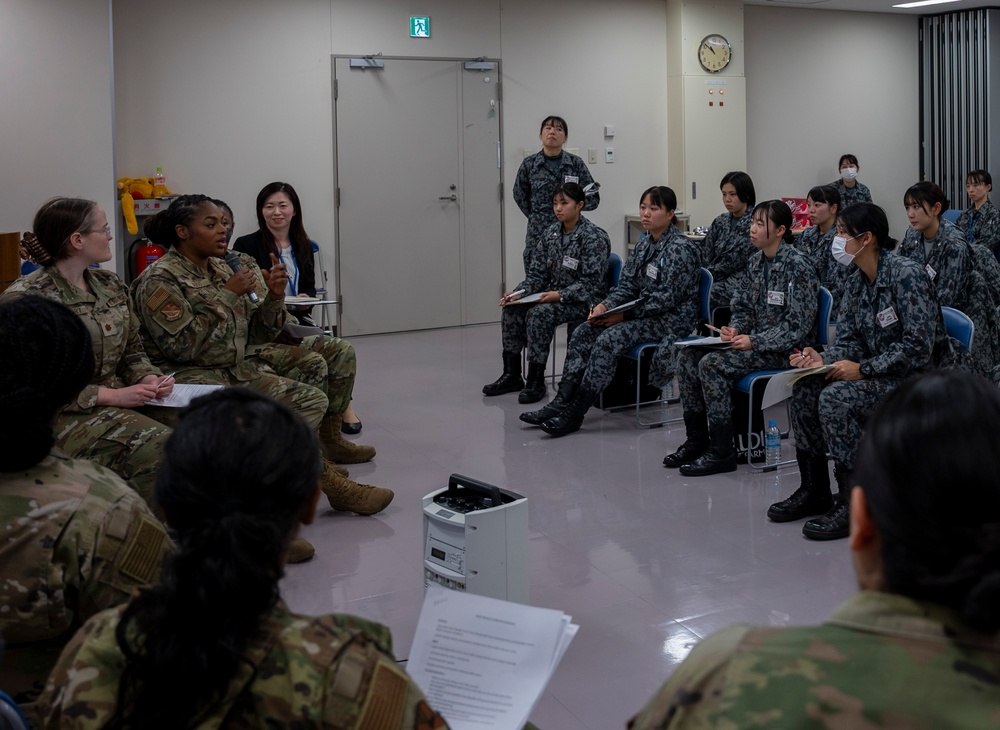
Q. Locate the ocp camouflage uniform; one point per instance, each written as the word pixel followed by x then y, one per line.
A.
pixel 124 440
pixel 981 227
pixel 776 306
pixel 534 186
pixel 849 196
pixel 817 246
pixel 665 274
pixel 321 361
pixel 208 334
pixel 892 328
pixel 958 283
pixel 880 660
pixel 76 540
pixel 576 266
pixel 334 671
pixel 725 252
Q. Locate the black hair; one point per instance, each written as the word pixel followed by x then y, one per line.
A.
pixel 554 120
pixel 48 359
pixel 297 235
pixel 778 213
pixel 825 194
pixel 161 228
pixel 662 196
pixel 235 477
pixel 743 185
pixel 571 190
pixel 929 466
pixel 867 218
pixel 224 206
pixel 54 224
pixel 926 194
pixel 979 176
pixel 849 159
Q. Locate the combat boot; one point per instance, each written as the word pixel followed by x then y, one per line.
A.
pixel 564 394
pixel 347 495
pixel 696 444
pixel 300 551
pixel 721 455
pixel 572 415
pixel 511 380
pixel 534 386
pixel 836 523
pixel 813 495
pixel 338 448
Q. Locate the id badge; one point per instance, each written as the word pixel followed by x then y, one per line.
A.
pixel 776 297
pixel 571 178
pixel 652 271
pixel 570 263
pixel 887 317
pixel 930 271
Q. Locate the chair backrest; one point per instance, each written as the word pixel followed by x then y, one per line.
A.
pixel 27 267
pixel 958 325
pixel 614 270
pixel 705 282
pixel 952 214
pixel 825 309
pixel 11 717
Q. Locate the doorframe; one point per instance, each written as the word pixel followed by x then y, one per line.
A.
pixel 336 163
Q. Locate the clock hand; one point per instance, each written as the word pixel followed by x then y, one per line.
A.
pixel 712 49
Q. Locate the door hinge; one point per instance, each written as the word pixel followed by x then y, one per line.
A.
pixel 336 200
pixel 336 89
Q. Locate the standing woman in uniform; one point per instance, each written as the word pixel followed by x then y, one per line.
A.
pixel 101 423
pixel 538 177
pixel 851 191
pixel 663 271
pixel 981 222
pixel 773 312
pixel 727 247
pixel 569 269
pixel 889 328
pixel 823 204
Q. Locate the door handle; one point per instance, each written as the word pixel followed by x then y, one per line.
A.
pixel 449 197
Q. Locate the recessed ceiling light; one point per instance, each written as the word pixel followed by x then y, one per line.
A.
pixel 924 2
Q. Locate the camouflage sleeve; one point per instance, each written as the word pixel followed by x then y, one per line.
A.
pixel 743 315
pixel 269 316
pixel 988 230
pixel 537 277
pixel 908 244
pixel 798 317
pixel 629 283
pixel 849 343
pixel 522 186
pixel 135 364
pixel 677 266
pixel 733 250
pixel 952 279
pixel 987 265
pixel 920 315
pixel 583 172
pixel 589 287
pixel 708 245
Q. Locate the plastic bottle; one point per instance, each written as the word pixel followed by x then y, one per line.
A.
pixel 159 183
pixel 772 444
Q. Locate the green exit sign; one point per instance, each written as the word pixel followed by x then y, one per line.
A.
pixel 420 27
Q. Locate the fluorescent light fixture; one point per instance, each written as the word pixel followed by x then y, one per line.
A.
pixel 924 2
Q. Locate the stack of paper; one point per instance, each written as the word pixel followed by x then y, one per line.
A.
pixel 183 394
pixel 483 662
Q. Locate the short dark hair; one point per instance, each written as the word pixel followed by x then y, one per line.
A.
pixel 979 176
pixel 743 185
pixel 867 218
pixel 662 196
pixel 926 194
pixel 825 194
pixel 571 190
pixel 848 158
pixel 555 120
pixel 778 213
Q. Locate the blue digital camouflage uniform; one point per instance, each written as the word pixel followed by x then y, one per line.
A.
pixel 124 440
pixel 665 274
pixel 776 305
pixel 958 283
pixel 880 660
pixel 982 227
pixel 849 196
pixel 725 252
pixel 534 187
pixel 334 671
pixel 892 328
pixel 832 275
pixel 577 269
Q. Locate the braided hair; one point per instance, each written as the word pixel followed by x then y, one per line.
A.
pixel 54 224
pixel 48 359
pixel 161 228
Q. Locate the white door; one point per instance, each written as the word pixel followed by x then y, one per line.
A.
pixel 419 195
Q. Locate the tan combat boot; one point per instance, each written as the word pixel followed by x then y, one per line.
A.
pixel 300 551
pixel 342 470
pixel 349 496
pixel 338 448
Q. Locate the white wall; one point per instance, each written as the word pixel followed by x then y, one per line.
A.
pixel 821 83
pixel 55 117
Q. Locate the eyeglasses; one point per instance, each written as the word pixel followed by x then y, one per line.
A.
pixel 106 230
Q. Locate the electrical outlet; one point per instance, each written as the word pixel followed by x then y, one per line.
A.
pixel 609 155
pixel 592 156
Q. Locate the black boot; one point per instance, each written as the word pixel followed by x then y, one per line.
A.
pixel 721 455
pixel 836 523
pixel 812 497
pixel 534 386
pixel 571 417
pixel 696 429
pixel 564 394
pixel 511 380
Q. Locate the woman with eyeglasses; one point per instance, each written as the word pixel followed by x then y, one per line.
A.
pixel 101 424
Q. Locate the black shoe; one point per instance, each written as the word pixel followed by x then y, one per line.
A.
pixel 351 429
pixel 510 381
pixel 571 418
pixel 803 503
pixel 696 428
pixel 834 525
pixel 565 393
pixel 710 463
pixel 534 386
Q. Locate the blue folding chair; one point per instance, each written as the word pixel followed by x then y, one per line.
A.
pixel 958 325
pixel 952 214
pixel 749 384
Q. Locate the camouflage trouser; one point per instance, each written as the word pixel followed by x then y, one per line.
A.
pixel 534 325
pixel 322 361
pixel 664 363
pixel 126 442
pixel 593 353
pixel 724 289
pixel 706 378
pixel 830 416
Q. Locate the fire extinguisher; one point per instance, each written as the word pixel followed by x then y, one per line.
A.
pixel 142 253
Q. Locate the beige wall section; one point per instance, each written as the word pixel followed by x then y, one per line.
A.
pixel 55 117
pixel 821 83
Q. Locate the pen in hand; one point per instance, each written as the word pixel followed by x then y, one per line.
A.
pixel 164 381
pixel 713 328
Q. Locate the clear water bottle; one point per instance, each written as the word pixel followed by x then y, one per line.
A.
pixel 772 444
pixel 667 392
pixel 159 183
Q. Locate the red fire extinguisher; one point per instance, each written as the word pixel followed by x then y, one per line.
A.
pixel 143 255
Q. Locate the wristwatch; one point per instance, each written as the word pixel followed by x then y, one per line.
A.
pixel 865 369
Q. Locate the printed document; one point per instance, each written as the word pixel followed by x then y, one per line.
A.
pixel 183 394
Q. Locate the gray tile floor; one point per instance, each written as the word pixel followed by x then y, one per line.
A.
pixel 645 560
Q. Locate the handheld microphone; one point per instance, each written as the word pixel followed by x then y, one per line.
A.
pixel 233 260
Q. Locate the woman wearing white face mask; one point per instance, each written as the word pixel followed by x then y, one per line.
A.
pixel 851 191
pixel 889 327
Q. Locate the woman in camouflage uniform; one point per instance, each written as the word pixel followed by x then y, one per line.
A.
pixel 851 191
pixel 727 248
pixel 981 222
